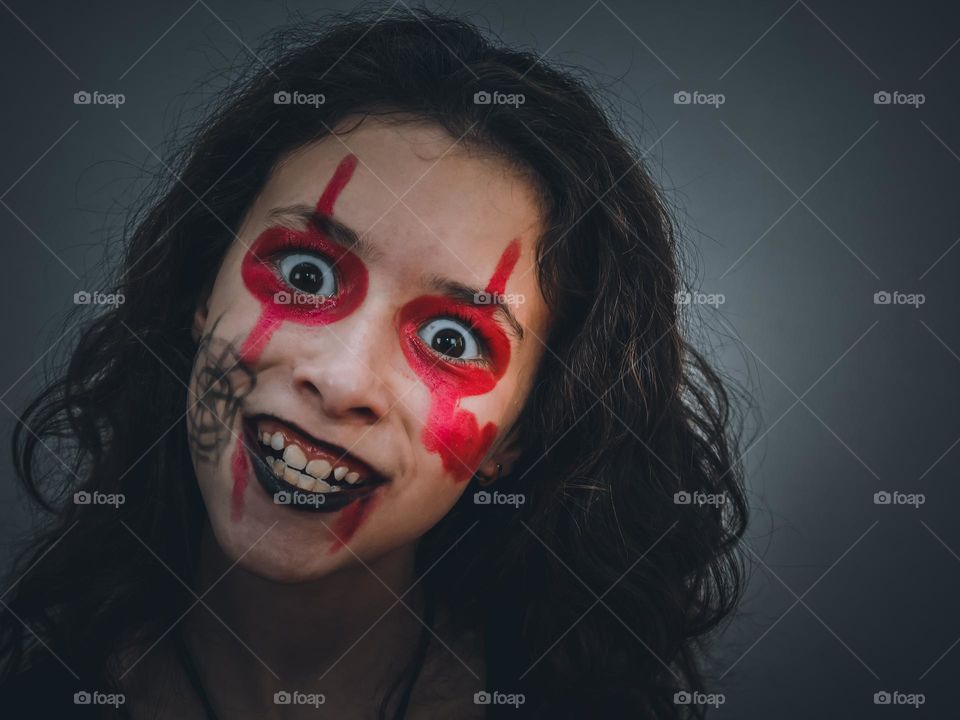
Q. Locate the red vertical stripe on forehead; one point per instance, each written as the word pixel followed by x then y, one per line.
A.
pixel 336 185
pixel 498 281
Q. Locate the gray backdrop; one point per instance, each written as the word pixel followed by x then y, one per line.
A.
pixel 799 196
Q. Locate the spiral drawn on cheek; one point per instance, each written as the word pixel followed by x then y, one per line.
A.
pixel 450 431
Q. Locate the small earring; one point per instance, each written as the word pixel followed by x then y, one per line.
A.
pixel 487 481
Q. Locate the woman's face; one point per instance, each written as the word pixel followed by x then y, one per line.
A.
pixel 350 381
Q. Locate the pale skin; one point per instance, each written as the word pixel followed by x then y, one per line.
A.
pixel 287 586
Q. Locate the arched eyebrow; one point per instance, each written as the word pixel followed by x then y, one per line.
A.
pixel 345 236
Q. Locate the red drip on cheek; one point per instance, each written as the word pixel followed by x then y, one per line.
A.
pixel 241 471
pixel 350 519
pixel 451 432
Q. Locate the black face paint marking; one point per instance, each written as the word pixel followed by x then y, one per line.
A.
pixel 221 381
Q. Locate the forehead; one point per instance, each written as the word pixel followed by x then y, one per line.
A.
pixel 427 206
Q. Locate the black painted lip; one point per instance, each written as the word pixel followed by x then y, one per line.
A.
pixel 296 498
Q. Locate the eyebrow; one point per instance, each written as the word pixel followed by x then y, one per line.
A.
pixel 350 239
pixel 341 234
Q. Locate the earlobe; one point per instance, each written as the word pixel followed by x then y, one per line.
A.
pixel 500 463
pixel 200 318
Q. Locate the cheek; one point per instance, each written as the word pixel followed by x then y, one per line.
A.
pixel 455 435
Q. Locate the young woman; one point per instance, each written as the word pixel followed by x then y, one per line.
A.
pixel 396 419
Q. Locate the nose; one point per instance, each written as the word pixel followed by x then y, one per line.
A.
pixel 341 369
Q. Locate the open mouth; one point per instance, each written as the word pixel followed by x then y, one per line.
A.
pixel 302 472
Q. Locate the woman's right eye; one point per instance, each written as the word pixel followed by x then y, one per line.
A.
pixel 308 273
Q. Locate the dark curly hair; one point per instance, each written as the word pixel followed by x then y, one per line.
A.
pixel 598 598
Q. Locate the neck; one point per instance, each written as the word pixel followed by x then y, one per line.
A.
pixel 345 630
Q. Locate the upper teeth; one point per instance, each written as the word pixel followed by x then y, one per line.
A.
pixel 295 469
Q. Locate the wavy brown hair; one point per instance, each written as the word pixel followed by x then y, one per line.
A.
pixel 598 598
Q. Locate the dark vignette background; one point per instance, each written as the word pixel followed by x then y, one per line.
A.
pixel 799 196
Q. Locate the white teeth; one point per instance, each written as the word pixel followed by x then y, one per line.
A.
pixel 294 457
pixel 335 488
pixel 321 486
pixel 340 472
pixel 265 437
pixel 352 477
pixel 319 469
pixel 276 442
pixel 278 468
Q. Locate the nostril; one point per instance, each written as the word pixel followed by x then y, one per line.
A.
pixel 366 414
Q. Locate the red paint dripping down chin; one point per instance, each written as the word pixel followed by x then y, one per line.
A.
pixel 349 520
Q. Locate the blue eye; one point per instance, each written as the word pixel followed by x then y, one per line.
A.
pixel 451 338
pixel 308 273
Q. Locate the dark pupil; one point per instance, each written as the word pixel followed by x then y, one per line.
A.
pixel 306 276
pixel 448 342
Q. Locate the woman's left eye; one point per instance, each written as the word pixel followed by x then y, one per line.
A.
pixel 308 273
pixel 452 339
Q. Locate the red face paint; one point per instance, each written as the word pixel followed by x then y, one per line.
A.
pixel 349 519
pixel 451 432
pixel 241 471
pixel 263 281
